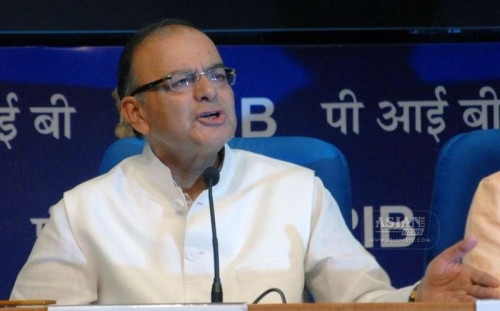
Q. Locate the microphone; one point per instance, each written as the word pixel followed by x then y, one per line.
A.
pixel 211 178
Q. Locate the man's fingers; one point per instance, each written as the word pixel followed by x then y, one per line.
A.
pixel 455 252
pixel 484 279
pixel 481 292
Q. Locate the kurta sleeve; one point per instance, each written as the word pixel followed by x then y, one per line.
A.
pixel 56 266
pixel 338 267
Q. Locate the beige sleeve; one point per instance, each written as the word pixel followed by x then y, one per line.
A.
pixel 483 222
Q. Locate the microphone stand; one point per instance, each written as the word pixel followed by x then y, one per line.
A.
pixel 211 178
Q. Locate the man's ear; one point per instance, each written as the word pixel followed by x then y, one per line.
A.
pixel 132 111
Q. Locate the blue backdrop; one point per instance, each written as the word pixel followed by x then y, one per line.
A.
pixel 389 108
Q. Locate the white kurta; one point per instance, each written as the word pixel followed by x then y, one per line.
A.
pixel 129 237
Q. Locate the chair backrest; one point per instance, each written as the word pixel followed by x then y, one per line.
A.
pixel 462 162
pixel 324 158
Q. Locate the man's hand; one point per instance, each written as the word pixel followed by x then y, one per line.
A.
pixel 447 279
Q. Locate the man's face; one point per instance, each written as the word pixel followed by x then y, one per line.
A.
pixel 198 119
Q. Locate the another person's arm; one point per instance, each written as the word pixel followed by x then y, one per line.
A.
pixel 483 222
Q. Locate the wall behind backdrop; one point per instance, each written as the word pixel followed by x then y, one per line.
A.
pixel 389 108
pixel 76 23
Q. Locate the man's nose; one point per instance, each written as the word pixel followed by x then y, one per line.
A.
pixel 204 88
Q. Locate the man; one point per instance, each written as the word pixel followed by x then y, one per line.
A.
pixel 141 233
pixel 483 221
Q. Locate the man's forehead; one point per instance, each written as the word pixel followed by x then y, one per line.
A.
pixel 175 50
pixel 177 38
pixel 175 30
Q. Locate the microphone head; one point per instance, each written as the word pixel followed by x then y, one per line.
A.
pixel 211 176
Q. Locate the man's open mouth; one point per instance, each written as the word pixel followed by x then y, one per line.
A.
pixel 210 115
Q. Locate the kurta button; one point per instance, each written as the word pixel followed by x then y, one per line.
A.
pixel 191 253
pixel 179 207
pixel 179 204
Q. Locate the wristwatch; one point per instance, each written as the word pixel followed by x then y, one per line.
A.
pixel 413 294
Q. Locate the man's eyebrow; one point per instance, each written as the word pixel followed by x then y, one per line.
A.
pixel 214 66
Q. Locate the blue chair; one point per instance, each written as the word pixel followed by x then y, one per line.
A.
pixel 462 162
pixel 325 159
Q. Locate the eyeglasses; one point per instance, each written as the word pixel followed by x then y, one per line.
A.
pixel 182 81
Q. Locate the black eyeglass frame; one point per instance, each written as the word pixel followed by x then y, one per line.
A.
pixel 230 72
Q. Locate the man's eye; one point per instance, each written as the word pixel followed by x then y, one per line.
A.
pixel 183 81
pixel 219 77
pixel 180 82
